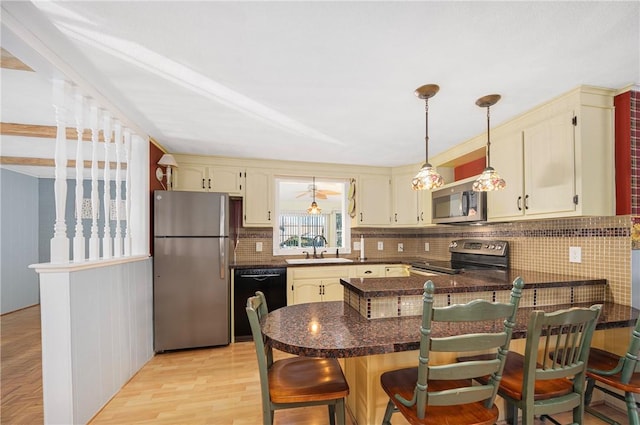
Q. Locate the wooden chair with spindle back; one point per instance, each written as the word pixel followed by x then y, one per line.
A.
pixel 550 377
pixel 445 394
pixel 296 381
pixel 617 372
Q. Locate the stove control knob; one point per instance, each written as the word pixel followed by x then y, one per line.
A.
pixel 498 247
pixel 492 246
pixel 453 244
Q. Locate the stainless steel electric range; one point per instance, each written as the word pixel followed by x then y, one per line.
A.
pixel 469 254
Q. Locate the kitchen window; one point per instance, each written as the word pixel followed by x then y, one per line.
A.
pixel 296 231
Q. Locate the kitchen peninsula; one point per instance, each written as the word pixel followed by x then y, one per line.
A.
pixel 372 345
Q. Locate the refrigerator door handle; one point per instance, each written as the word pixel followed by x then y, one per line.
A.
pixel 222 241
pixel 222 234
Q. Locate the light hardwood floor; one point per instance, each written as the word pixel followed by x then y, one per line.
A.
pixel 214 386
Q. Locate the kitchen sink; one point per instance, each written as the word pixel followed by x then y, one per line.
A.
pixel 317 260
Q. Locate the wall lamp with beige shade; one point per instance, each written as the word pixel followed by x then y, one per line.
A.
pixel 168 161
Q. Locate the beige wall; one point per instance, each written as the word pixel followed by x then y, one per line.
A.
pixel 535 245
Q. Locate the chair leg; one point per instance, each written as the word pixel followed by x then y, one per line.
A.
pixel 267 417
pixel 387 413
pixel 340 412
pixel 632 409
pixel 511 414
pixel 332 414
pixel 588 392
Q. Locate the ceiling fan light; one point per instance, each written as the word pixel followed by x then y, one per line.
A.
pixel 427 179
pixel 314 209
pixel 489 180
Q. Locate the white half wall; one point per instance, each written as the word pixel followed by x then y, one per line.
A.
pixel 97 332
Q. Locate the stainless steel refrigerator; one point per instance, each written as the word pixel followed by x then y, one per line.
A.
pixel 191 285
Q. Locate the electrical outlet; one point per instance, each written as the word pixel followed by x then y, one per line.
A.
pixel 380 245
pixel 426 246
pixel 356 246
pixel 258 246
pixel 575 254
pixel 400 247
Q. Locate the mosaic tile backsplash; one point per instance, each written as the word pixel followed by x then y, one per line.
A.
pixel 534 245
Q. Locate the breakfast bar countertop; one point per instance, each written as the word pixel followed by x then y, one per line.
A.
pixel 465 281
pixel 334 329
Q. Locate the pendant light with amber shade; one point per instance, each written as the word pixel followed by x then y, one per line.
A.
pixel 427 178
pixel 489 180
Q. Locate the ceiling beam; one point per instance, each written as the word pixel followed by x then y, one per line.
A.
pixel 48 162
pixel 8 61
pixel 44 131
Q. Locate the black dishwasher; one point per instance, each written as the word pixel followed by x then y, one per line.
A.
pixel 271 281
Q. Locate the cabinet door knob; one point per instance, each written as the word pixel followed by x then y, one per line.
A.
pixel 519 203
pixel 526 202
pixel 209 183
pixel 203 183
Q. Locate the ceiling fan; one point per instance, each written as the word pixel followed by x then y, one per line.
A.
pixel 320 193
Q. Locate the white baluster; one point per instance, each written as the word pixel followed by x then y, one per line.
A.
pixel 94 241
pixel 60 241
pixel 127 153
pixel 107 241
pixel 79 253
pixel 118 143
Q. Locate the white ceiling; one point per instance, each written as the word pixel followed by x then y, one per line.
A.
pixel 317 81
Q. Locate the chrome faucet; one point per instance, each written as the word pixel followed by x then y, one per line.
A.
pixel 315 255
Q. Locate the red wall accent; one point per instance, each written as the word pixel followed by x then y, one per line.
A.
pixel 470 169
pixel 622 104
pixel 154 156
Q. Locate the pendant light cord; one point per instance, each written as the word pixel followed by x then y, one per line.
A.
pixel 426 131
pixel 488 140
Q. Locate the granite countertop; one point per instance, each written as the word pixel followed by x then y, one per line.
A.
pixel 334 329
pixel 465 281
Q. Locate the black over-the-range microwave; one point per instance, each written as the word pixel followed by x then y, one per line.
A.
pixel 458 203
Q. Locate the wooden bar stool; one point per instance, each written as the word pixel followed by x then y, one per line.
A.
pixel 618 373
pixel 445 394
pixel 297 381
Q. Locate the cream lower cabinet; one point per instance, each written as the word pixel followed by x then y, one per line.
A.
pixel 396 270
pixel 313 284
pixel 209 178
pixel 322 283
pixel 556 160
pixel 258 204
pixel 367 270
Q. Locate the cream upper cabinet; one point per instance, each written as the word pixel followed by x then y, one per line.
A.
pixel 557 160
pixel 258 204
pixel 210 178
pixel 405 201
pixel 424 207
pixel 374 200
